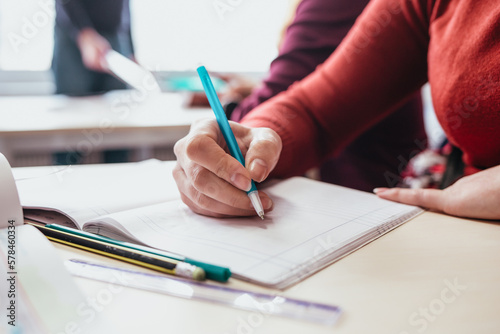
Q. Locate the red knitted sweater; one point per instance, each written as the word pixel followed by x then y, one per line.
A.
pixel 392 50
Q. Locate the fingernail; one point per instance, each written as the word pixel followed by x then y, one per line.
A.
pixel 379 190
pixel 266 203
pixel 241 181
pixel 258 169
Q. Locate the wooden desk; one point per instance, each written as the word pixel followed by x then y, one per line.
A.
pixel 434 274
pixel 119 119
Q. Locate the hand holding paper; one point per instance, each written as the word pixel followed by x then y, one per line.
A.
pixel 93 48
pixel 131 73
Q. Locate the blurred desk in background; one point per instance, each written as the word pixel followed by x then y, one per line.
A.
pixel 34 127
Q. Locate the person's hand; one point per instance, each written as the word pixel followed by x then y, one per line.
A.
pixel 93 48
pixel 473 196
pixel 213 183
pixel 238 87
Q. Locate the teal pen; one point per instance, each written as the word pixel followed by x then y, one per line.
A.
pixel 212 272
pixel 228 134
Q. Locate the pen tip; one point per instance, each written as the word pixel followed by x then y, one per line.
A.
pixel 261 215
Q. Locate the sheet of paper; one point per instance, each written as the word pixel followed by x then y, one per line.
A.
pixel 10 207
pixel 131 73
pixel 312 224
pixel 88 191
pixel 38 293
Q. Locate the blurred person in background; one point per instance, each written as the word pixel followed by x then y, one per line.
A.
pixel 84 32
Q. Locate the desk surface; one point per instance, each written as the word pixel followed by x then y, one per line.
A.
pixel 434 274
pixel 118 119
pixel 117 109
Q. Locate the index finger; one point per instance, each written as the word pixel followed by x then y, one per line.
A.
pixel 204 149
pixel 427 198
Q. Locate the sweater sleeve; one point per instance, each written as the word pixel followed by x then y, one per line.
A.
pixel 378 66
pixel 75 17
pixel 315 32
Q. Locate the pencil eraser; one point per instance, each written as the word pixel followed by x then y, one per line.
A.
pixel 199 274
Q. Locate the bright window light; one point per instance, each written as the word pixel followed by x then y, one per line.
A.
pixel 224 35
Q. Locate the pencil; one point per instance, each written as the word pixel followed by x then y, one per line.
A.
pixel 137 257
pixel 213 272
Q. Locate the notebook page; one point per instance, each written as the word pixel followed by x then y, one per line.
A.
pixel 310 221
pixel 84 192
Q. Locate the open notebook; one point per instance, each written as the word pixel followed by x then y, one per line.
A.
pixel 312 225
